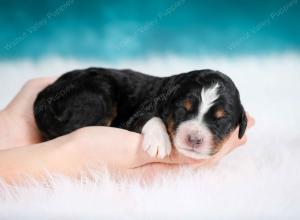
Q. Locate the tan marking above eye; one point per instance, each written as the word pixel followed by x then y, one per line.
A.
pixel 170 127
pixel 187 104
pixel 220 113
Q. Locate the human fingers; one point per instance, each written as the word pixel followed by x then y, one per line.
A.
pixel 251 120
pixel 23 101
pixel 238 142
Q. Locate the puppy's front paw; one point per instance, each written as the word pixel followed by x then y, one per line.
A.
pixel 156 139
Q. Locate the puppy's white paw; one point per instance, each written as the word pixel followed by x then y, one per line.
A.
pixel 156 139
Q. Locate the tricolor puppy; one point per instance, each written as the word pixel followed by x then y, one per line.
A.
pixel 194 112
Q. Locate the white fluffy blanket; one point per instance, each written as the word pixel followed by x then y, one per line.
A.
pixel 260 180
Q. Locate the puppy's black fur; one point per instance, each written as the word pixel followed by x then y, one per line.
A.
pixel 128 99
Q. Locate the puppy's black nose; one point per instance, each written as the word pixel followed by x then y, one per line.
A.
pixel 194 141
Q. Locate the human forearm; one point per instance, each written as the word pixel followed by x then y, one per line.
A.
pixel 35 159
pixel 71 154
pixel 5 136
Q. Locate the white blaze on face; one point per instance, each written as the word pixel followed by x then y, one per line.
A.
pixel 197 127
pixel 208 96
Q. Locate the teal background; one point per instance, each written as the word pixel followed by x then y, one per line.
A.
pixel 114 30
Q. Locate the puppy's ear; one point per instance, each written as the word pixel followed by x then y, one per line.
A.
pixel 242 123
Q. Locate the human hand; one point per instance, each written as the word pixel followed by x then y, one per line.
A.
pixel 121 150
pixel 17 117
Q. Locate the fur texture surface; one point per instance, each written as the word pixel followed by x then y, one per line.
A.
pixel 257 181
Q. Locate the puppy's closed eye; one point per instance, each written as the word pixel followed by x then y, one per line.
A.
pixel 180 112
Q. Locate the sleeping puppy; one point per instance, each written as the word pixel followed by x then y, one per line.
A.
pixel 194 111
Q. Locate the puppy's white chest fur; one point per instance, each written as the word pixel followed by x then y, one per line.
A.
pixel 156 139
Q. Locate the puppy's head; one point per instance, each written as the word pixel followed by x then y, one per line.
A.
pixel 203 112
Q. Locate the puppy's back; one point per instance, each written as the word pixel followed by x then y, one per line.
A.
pixel 73 101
